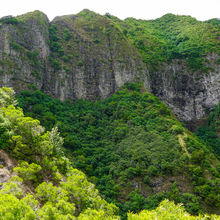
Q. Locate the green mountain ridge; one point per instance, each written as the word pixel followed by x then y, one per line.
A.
pixel 88 55
pixel 171 37
pixel 119 92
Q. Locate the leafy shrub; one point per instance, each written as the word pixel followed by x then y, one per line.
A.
pixel 28 172
pixel 16 46
pixel 96 41
pixel 9 20
pixel 80 63
pixel 67 34
pixel 56 65
pixel 166 210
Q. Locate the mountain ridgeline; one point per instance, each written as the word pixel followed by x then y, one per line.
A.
pixel 120 93
pixel 91 56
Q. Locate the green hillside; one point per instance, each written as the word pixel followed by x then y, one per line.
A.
pixel 210 133
pixel 132 147
pixel 113 150
pixel 43 185
pixel 172 37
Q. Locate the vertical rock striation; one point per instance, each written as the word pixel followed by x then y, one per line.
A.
pixel 94 56
pixel 24 50
pixel 89 56
pixel 188 95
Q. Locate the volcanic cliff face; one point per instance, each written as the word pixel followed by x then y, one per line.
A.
pixel 24 51
pixel 188 95
pixel 89 56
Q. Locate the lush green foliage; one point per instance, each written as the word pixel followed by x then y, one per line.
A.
pixel 167 210
pixel 9 20
pixel 71 198
pixel 127 143
pixel 119 141
pixel 61 192
pixel 214 21
pixel 172 37
pixel 210 133
pixel 55 46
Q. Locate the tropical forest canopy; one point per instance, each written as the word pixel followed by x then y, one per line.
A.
pixel 128 143
pixel 44 185
pixel 173 37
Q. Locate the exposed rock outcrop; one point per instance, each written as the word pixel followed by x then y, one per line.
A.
pixel 88 56
pixel 24 51
pixel 188 95
pixel 7 164
pixel 96 60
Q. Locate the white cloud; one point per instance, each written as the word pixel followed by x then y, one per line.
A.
pixel 143 9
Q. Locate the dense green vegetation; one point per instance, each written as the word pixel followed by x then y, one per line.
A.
pixel 210 133
pixel 167 210
pixel 214 21
pixel 43 185
pixel 130 145
pixel 9 20
pixel 60 192
pixel 172 37
pixel 158 41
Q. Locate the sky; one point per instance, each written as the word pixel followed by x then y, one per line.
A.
pixel 140 9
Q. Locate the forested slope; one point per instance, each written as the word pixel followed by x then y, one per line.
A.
pixel 42 184
pixel 210 132
pixel 40 181
pixel 114 90
pixel 172 37
pixel 133 148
